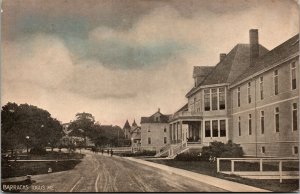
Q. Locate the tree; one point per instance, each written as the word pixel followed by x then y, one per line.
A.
pixel 20 121
pixel 83 125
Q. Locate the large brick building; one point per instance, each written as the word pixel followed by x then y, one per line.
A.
pixel 250 97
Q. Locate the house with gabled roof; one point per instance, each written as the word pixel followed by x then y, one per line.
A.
pixel 226 101
pixel 155 131
pixel 126 129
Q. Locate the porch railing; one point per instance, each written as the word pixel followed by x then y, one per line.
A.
pixel 175 150
pixel 162 150
pixel 176 141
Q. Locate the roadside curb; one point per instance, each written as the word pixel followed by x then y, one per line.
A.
pixel 216 182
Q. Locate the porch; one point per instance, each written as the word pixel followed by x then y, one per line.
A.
pixel 186 131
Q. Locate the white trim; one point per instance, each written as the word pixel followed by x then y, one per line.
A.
pixel 274 84
pixel 239 96
pixel 293 150
pixel 249 92
pixel 262 115
pixel 239 127
pixel 263 150
pixel 251 109
pixel 275 113
pixel 264 70
pixel 250 119
pixel 292 116
pixel 206 86
pixel 291 74
pixel 211 129
pixel 261 87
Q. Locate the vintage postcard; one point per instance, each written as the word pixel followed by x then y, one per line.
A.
pixel 150 96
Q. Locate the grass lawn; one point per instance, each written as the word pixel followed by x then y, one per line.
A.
pixel 22 168
pixel 210 169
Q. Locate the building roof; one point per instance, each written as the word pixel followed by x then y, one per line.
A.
pixel 184 108
pixel 202 70
pixel 127 125
pixel 233 65
pixel 134 124
pixel 151 119
pixel 136 129
pixel 270 59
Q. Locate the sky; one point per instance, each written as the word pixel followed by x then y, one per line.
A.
pixel 124 59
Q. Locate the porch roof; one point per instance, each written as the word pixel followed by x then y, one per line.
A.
pixel 186 118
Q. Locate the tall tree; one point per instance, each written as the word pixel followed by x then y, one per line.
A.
pixel 26 125
pixel 83 125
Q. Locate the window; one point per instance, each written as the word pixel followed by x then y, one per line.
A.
pixel 295 117
pixel 214 98
pixel 207 100
pixel 165 140
pixel 295 150
pixel 293 75
pixel 222 128
pixel 276 118
pixel 221 98
pixel 250 124
pixel 276 82
pixel 249 92
pixel 262 122
pixel 194 104
pixel 261 87
pixel 263 149
pixel 239 126
pixel 215 128
pixel 207 128
pixel 149 140
pixel 239 97
pixel 165 129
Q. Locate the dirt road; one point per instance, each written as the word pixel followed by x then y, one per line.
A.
pixel 103 173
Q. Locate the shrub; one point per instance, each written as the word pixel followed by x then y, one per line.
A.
pixel 141 153
pixel 219 149
pixel 189 156
pixel 38 151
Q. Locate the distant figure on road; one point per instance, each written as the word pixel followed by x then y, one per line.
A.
pixel 111 152
pixel 102 151
pixel 107 151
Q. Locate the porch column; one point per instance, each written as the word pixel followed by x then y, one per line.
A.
pixel 174 134
pixel 170 129
pixel 200 134
pixel 180 131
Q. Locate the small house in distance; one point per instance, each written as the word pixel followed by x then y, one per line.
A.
pixel 155 131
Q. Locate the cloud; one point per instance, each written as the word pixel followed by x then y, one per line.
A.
pixel 39 59
pixel 124 73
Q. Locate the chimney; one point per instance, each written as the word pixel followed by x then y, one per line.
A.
pixel 222 56
pixel 158 110
pixel 254 45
